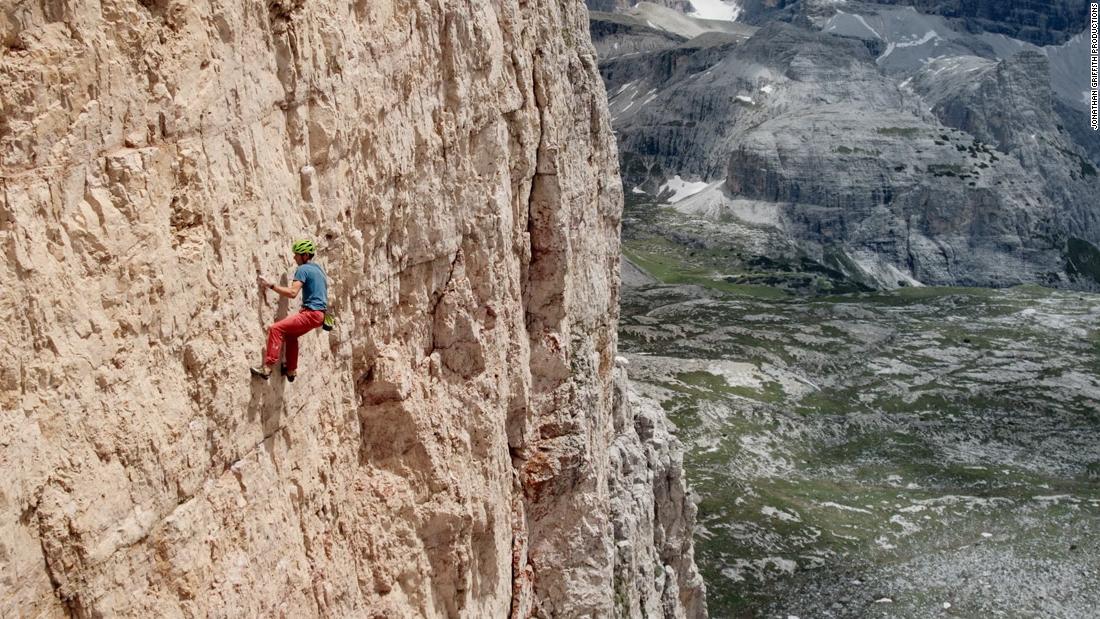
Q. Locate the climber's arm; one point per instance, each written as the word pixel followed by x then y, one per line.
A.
pixel 290 291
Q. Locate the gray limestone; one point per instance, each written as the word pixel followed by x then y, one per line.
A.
pixel 881 135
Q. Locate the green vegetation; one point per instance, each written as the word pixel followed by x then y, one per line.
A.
pixel 886 426
pixel 672 265
pixel 901 132
pixel 675 250
pixel 946 169
pixel 707 385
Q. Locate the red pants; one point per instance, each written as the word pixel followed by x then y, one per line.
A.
pixel 289 329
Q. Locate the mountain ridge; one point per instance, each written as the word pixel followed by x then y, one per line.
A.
pixel 885 136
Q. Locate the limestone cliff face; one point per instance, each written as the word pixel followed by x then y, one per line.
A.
pixel 446 450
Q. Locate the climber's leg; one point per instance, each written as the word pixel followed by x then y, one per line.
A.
pixel 286 331
pixel 291 357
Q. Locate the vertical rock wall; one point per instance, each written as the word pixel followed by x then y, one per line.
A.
pixel 655 572
pixel 445 451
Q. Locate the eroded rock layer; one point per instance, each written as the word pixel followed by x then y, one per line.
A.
pixel 444 451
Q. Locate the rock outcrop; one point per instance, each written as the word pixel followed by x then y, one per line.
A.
pixel 446 451
pixel 1042 22
pixel 623 35
pixel 623 5
pixel 655 571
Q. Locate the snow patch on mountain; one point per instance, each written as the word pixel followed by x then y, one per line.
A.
pixel 681 189
pixel 716 9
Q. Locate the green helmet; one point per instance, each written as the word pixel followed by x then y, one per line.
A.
pixel 304 247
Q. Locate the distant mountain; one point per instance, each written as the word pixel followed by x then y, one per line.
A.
pixel 1041 22
pixel 893 144
pixel 623 5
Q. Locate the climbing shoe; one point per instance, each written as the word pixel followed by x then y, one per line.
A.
pixel 329 323
pixel 260 372
pixel 289 377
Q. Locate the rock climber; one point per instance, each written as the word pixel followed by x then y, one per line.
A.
pixel 310 280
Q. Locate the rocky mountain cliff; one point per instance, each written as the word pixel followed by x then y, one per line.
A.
pixel 1042 22
pixel 462 443
pixel 887 144
pixel 611 6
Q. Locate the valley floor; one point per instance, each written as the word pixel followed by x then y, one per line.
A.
pixel 859 454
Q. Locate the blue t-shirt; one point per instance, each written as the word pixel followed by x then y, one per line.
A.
pixel 314 286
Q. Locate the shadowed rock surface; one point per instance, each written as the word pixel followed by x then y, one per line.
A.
pixel 620 35
pixel 610 6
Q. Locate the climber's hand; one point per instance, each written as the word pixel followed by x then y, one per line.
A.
pixel 262 281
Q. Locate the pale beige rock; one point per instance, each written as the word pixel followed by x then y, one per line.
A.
pixel 445 451
pixel 652 512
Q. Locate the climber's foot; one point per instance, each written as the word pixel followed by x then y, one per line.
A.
pixel 289 375
pixel 260 372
